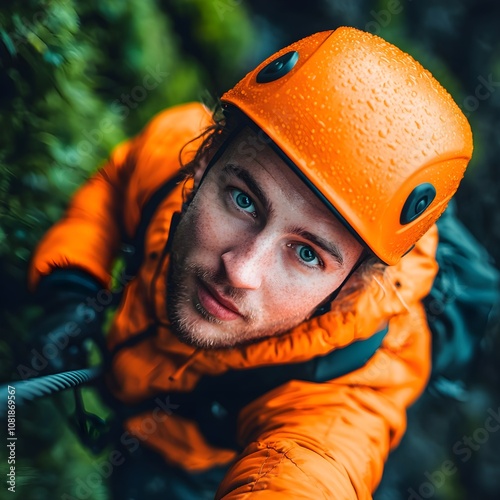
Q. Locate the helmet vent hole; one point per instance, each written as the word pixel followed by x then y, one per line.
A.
pixel 417 202
pixel 278 68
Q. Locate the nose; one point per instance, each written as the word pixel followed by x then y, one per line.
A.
pixel 246 264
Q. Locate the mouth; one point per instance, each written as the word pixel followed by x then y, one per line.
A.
pixel 215 304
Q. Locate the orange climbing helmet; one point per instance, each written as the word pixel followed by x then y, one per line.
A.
pixel 367 128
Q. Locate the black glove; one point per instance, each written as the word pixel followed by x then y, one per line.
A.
pixel 72 319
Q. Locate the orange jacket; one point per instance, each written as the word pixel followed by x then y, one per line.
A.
pixel 305 439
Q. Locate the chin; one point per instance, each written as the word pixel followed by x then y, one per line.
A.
pixel 205 340
pixel 194 326
pixel 203 333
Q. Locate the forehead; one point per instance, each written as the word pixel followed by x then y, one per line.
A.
pixel 251 151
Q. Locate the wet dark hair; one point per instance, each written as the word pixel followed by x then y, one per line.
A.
pixel 212 138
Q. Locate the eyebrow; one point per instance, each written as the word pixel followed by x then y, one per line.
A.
pixel 252 184
pixel 325 245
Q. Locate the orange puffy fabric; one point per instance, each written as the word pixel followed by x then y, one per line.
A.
pixel 301 439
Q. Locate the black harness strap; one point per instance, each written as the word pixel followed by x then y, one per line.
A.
pixel 134 248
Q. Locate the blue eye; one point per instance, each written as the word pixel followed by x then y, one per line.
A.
pixel 243 201
pixel 306 255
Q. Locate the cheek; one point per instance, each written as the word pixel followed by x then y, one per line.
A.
pixel 208 223
pixel 298 296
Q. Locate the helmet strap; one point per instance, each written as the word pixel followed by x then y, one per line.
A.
pixel 326 305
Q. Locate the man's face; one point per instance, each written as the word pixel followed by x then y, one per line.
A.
pixel 255 253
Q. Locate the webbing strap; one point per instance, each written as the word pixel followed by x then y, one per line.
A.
pixel 135 247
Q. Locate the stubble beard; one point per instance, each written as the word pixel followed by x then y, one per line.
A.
pixel 194 326
pixel 187 324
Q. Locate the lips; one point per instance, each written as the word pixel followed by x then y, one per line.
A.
pixel 215 304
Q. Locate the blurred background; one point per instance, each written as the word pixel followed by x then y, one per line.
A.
pixel 77 77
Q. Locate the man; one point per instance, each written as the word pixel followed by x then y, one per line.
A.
pixel 260 303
